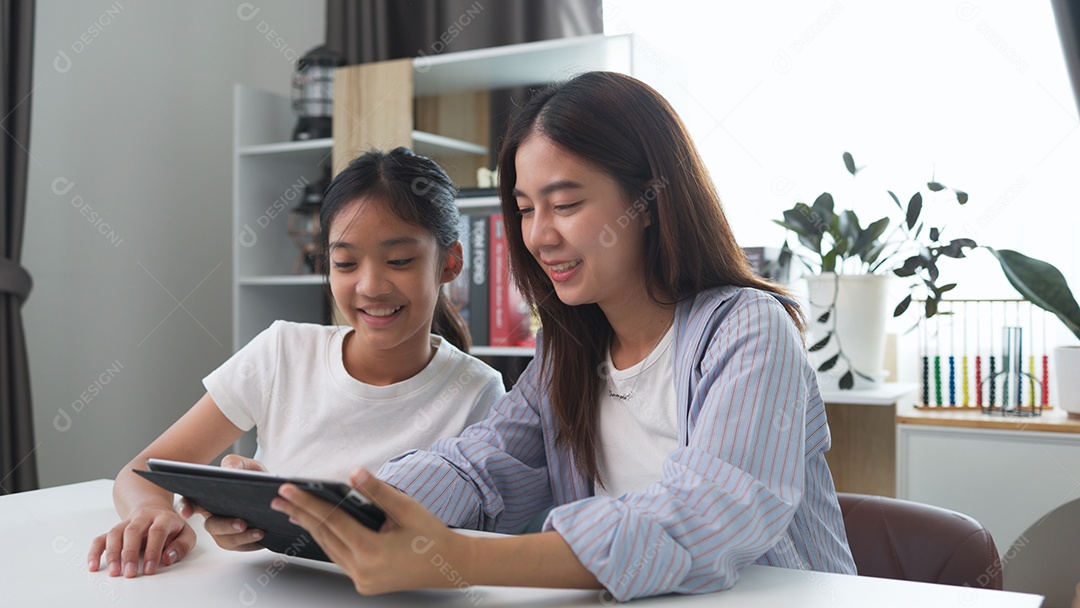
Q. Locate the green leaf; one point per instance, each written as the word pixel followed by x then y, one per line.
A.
pixel 910 267
pixel 847 380
pixel 849 162
pixel 828 262
pixel 799 220
pixel 934 186
pixel 913 209
pixel 935 234
pixel 826 366
pixel 931 307
pixel 824 316
pixel 896 200
pixel 821 212
pixel 1042 284
pixel 961 196
pixel 944 288
pixel 864 376
pixel 955 248
pixel 866 242
pixel 902 306
pixel 822 343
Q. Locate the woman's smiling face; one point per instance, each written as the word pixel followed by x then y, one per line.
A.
pixel 579 225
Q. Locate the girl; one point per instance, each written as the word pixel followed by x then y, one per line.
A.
pixel 325 397
pixel 670 418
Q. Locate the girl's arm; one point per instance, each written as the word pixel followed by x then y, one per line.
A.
pixel 147 510
pixel 414 549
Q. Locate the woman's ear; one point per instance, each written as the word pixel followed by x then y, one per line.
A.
pixel 452 264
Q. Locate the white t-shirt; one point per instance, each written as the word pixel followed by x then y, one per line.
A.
pixel 315 420
pixel 638 425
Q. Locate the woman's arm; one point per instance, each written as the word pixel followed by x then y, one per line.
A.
pixel 147 509
pixel 414 549
pixel 495 476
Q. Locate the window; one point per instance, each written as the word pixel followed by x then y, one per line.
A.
pixel 975 93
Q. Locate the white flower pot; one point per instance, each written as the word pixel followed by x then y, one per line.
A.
pixel 858 325
pixel 1067 372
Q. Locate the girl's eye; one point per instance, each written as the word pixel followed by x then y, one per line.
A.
pixel 524 211
pixel 567 206
pixel 400 263
pixel 344 265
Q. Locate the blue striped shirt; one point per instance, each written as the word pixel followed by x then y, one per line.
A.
pixel 749 483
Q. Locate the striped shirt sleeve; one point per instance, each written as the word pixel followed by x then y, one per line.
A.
pixel 493 477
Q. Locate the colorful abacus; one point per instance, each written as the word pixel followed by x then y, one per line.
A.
pixel 976 346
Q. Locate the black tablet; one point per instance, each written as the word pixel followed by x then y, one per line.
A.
pixel 247 494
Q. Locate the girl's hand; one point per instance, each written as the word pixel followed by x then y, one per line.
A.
pixel 228 532
pixel 413 550
pixel 167 538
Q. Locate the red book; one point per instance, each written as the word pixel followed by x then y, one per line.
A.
pixel 509 318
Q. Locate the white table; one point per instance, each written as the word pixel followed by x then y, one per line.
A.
pixel 44 536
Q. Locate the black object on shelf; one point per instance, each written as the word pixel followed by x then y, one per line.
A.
pixel 313 93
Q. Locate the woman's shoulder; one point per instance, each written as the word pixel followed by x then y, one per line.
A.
pixel 729 298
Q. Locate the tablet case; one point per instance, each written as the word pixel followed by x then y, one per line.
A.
pixel 249 499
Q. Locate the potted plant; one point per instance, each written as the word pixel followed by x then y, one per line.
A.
pixel 850 264
pixel 1044 286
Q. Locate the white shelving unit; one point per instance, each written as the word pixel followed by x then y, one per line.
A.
pixel 270 171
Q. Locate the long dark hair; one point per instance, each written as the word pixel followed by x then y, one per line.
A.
pixel 419 192
pixel 623 127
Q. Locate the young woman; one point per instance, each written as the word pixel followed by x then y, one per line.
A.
pixel 670 420
pixel 324 397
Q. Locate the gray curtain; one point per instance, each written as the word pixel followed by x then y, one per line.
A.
pixel 18 468
pixel 1067 16
pixel 377 30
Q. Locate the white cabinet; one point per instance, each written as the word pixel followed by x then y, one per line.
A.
pixel 1005 472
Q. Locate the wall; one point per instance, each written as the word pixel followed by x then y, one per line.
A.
pixel 129 221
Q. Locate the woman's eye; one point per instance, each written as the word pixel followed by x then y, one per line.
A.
pixel 524 211
pixel 344 265
pixel 399 263
pixel 567 206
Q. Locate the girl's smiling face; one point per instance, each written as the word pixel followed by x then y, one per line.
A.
pixel 385 276
pixel 580 226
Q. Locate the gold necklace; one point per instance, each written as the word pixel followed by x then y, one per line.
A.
pixel 637 377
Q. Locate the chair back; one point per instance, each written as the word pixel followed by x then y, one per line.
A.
pixel 1046 558
pixel 900 539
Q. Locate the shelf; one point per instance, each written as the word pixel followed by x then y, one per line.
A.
pixel 521 64
pixel 287 147
pixel 430 144
pixel 502 351
pixel 283 279
pixel 427 144
pixel 482 203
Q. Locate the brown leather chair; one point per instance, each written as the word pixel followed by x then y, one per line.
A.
pixel 900 539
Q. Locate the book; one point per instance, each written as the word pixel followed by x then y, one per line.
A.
pixel 459 289
pixel 478 273
pixel 768 263
pixel 510 319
